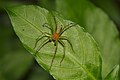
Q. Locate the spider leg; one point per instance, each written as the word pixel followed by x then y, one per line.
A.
pixel 47 33
pixel 54 18
pixel 38 39
pixel 56 46
pixel 63 45
pixel 55 23
pixel 64 38
pixel 47 26
pixel 42 45
pixel 67 27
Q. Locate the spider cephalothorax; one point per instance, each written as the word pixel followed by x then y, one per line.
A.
pixel 55 37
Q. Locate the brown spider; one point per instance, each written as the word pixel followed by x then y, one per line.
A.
pixel 55 37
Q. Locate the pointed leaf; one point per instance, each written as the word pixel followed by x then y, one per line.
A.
pixel 84 64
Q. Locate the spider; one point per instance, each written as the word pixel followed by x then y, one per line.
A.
pixel 56 37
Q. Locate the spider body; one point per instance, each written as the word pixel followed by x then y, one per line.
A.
pixel 55 37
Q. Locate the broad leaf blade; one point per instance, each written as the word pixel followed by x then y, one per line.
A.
pixel 84 64
pixel 97 23
pixel 113 74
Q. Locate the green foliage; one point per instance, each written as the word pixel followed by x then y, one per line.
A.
pixel 84 64
pixel 97 23
pixel 50 4
pixel 18 64
pixel 13 60
pixel 113 74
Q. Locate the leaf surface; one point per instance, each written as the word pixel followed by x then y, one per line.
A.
pixel 84 64
pixel 98 24
pixel 113 74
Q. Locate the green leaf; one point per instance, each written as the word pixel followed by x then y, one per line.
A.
pixel 10 69
pixel 84 64
pixel 13 61
pixel 113 74
pixel 97 23
pixel 50 4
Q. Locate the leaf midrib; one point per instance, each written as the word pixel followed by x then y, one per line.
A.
pixel 86 70
pixel 28 22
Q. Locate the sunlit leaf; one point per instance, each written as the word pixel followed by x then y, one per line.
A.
pixel 98 24
pixel 84 64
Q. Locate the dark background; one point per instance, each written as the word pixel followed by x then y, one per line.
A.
pixel 18 64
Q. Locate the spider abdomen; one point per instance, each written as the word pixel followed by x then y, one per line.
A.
pixel 55 36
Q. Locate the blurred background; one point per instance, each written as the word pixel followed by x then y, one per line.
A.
pixel 18 64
